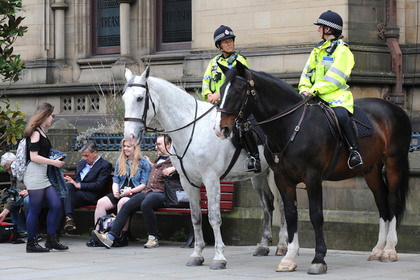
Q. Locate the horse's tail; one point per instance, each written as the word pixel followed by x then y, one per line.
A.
pixel 403 193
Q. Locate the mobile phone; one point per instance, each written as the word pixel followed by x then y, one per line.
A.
pixel 63 158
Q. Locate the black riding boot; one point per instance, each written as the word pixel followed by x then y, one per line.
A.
pixel 54 242
pixel 32 246
pixel 121 241
pixel 253 161
pixel 355 159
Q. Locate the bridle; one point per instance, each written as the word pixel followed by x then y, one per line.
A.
pixel 143 119
pixel 250 91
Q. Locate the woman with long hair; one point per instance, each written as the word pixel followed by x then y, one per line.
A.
pixel 130 177
pixel 37 181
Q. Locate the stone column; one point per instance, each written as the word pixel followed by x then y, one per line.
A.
pixel 59 8
pixel 125 26
pixel 125 61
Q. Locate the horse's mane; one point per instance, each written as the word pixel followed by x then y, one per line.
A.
pixel 265 78
pixel 269 79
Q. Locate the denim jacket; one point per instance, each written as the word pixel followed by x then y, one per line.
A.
pixel 141 177
pixel 55 174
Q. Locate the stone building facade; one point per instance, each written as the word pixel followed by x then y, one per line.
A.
pixel 75 49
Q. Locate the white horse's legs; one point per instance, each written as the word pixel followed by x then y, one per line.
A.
pixel 387 240
pixel 219 260
pixel 288 261
pixel 282 245
pixel 215 220
pixel 260 185
pixel 193 193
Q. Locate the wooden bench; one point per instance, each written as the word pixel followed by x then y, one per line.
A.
pixel 227 190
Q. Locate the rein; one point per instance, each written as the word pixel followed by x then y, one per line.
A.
pixel 193 123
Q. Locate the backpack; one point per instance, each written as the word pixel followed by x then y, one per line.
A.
pixel 19 165
pixel 104 223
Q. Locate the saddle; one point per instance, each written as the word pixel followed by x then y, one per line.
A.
pixel 359 118
pixel 360 121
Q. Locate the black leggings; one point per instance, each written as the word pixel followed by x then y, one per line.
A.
pixel 36 197
pixel 147 203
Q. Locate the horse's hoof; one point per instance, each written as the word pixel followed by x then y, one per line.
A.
pixel 281 251
pixel 318 268
pixel 389 256
pixel 374 257
pixel 261 251
pixel 218 265
pixel 195 261
pixel 286 266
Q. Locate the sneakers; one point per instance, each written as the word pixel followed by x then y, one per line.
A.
pixel 152 242
pixel 70 225
pixel 103 238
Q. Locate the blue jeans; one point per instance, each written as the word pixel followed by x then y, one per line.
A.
pixel 18 217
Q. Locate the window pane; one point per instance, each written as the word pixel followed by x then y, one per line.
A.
pixel 176 21
pixel 108 24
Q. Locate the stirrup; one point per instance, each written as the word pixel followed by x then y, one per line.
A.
pixel 359 165
pixel 252 160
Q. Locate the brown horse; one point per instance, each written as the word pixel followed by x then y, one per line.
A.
pixel 300 148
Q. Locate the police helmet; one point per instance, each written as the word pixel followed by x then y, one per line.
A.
pixel 223 32
pixel 331 19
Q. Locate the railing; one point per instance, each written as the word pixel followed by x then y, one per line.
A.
pixel 415 142
pixel 112 142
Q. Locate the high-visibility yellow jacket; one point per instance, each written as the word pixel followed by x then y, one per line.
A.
pixel 325 74
pixel 214 78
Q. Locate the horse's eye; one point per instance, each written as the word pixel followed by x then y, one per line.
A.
pixel 139 98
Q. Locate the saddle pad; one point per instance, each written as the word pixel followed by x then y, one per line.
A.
pixel 363 124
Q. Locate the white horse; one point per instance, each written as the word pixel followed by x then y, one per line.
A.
pixel 205 157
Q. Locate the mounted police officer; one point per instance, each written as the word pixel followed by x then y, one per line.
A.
pixel 325 75
pixel 224 40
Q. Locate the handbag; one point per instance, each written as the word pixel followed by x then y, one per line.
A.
pixel 175 196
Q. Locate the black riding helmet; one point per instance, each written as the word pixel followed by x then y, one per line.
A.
pixel 223 32
pixel 332 20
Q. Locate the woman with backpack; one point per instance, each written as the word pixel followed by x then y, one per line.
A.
pixel 37 181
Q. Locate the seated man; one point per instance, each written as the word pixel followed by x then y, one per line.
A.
pixel 86 187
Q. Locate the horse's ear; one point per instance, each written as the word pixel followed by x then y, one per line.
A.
pixel 128 74
pixel 241 68
pixel 224 68
pixel 147 71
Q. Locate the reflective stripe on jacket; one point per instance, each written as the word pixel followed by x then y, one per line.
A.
pixel 210 85
pixel 325 75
